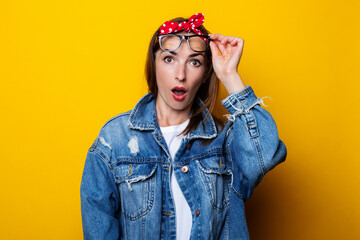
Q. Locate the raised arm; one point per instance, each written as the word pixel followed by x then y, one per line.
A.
pixel 253 145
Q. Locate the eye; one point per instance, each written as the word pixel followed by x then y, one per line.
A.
pixel 196 63
pixel 168 59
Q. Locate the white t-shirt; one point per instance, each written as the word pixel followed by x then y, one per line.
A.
pixel 182 209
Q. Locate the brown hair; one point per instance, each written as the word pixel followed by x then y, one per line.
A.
pixel 207 92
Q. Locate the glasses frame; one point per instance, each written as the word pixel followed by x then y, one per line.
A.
pixel 182 37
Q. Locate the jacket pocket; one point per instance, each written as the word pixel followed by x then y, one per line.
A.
pixel 136 184
pixel 216 178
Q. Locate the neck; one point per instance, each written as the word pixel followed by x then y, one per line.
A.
pixel 169 117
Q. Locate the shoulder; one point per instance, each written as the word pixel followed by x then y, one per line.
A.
pixel 120 118
pixel 111 136
pixel 115 126
pixel 117 131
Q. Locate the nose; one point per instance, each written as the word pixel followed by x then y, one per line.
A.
pixel 180 75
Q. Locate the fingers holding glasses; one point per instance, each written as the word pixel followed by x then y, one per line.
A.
pixel 227 44
pixel 226 52
pixel 223 40
pixel 219 46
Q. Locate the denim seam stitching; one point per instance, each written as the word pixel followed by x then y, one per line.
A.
pixel 120 160
pixel 256 143
pixel 256 134
pixel 98 153
pixel 242 110
pixel 219 209
pixel 227 227
pixel 150 204
pixel 147 176
pixel 117 116
pixel 203 155
pixel 234 96
pixel 232 172
pixel 101 155
pixel 210 170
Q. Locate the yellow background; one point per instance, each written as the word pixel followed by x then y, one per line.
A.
pixel 66 67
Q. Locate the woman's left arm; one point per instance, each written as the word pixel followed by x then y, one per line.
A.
pixel 253 144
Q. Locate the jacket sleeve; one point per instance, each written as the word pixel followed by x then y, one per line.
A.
pixel 99 198
pixel 253 145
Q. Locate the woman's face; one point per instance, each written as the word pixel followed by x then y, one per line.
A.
pixel 179 75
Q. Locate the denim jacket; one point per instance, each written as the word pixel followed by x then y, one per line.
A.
pixel 125 187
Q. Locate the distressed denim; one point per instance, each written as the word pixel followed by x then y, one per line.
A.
pixel 125 187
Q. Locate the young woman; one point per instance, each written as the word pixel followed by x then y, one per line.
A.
pixel 168 169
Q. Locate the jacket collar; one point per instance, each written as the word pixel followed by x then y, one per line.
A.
pixel 143 117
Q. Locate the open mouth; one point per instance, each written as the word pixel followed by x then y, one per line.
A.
pixel 179 93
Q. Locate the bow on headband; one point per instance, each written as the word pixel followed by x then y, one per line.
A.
pixel 194 21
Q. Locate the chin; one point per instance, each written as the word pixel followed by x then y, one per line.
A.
pixel 180 106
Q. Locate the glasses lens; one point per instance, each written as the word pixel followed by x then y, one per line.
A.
pixel 198 43
pixel 170 43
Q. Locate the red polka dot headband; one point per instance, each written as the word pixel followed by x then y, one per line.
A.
pixel 195 21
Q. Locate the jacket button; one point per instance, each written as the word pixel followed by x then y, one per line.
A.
pixel 197 213
pixel 185 169
pixel 188 146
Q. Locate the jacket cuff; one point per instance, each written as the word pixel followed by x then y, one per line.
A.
pixel 240 102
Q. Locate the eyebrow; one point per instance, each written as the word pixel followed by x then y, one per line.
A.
pixel 192 55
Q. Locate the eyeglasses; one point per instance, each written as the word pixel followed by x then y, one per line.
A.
pixel 171 42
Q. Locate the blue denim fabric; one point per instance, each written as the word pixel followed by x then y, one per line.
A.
pixel 125 187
